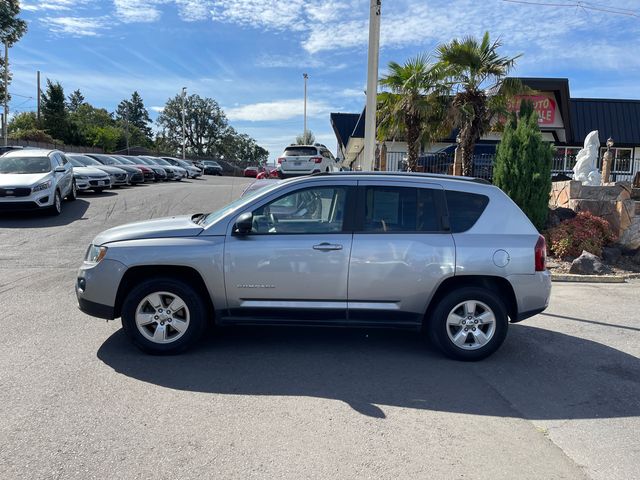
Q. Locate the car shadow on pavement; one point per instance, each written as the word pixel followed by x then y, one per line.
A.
pixel 71 212
pixel 537 373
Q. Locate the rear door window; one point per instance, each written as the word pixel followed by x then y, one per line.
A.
pixel 401 209
pixel 464 209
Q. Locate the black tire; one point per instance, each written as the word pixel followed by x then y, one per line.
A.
pixel 193 300
pixel 56 208
pixel 73 194
pixel 437 324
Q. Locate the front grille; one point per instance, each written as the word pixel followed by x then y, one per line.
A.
pixel 97 183
pixel 137 177
pixel 15 192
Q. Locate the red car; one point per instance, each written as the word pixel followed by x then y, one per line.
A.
pixel 268 172
pixel 251 172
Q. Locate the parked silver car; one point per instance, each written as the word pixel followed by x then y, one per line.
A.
pixel 453 256
pixel 34 179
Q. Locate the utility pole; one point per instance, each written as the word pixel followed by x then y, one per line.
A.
pixel 5 119
pixel 372 87
pixel 304 133
pixel 126 124
pixel 39 95
pixel 184 124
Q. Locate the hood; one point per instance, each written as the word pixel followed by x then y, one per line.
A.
pixel 22 179
pixel 89 171
pixel 180 226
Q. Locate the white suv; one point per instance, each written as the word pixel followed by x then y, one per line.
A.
pixel 305 160
pixel 33 179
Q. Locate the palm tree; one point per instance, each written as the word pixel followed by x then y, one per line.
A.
pixel 414 105
pixel 483 89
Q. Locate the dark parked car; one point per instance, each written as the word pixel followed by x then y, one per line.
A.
pixel 135 175
pixel 211 167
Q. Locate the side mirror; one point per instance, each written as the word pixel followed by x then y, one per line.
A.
pixel 60 169
pixel 244 224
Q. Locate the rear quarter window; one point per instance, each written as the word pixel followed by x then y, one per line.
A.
pixel 464 209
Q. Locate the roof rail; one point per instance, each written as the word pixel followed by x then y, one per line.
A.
pixel 407 174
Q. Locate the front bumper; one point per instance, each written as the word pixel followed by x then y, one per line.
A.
pixel 34 201
pixel 97 287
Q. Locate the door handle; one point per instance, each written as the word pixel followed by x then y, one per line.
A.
pixel 325 247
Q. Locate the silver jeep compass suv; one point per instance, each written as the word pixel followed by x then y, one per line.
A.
pixel 452 256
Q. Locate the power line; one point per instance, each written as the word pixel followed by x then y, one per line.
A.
pixel 583 5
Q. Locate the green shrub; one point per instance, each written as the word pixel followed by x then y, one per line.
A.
pixel 584 232
pixel 523 165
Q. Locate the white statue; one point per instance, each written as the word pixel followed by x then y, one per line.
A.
pixel 585 169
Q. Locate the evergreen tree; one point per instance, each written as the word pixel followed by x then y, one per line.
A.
pixel 12 29
pixel 76 99
pixel 306 138
pixel 523 164
pixel 133 113
pixel 55 118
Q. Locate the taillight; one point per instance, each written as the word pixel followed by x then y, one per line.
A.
pixel 316 159
pixel 541 254
pixel 281 159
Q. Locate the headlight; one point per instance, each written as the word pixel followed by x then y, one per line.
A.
pixel 82 177
pixel 95 253
pixel 42 186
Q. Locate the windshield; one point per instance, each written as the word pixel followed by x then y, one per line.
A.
pixel 75 162
pixel 127 161
pixel 162 161
pixel 300 151
pixel 147 161
pixel 211 163
pixel 108 161
pixel 218 214
pixel 25 165
pixel 84 159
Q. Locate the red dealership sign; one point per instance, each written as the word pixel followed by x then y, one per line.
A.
pixel 543 105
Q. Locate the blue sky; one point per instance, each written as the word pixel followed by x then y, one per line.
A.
pixel 250 54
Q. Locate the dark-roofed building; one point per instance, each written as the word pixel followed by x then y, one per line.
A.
pixel 563 120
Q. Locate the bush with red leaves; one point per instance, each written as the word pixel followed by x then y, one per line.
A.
pixel 584 232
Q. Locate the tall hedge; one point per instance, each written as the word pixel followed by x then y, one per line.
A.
pixel 523 164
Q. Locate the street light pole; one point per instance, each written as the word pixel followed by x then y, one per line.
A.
pixel 304 133
pixel 5 119
pixel 372 87
pixel 184 127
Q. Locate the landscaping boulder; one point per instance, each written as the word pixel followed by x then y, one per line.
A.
pixel 558 215
pixel 588 264
pixel 611 254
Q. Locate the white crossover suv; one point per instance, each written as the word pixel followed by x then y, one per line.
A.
pixel 32 179
pixel 305 160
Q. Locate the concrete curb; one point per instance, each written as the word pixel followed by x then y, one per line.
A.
pixel 572 277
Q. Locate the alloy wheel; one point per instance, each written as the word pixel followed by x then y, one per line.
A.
pixel 471 325
pixel 162 317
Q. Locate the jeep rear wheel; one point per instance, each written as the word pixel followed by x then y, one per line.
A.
pixel 469 324
pixel 164 316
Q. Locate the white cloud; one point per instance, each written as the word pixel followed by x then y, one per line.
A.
pixel 76 26
pixel 51 5
pixel 269 14
pixel 277 110
pixel 157 108
pixel 144 11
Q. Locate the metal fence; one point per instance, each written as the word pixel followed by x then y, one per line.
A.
pixel 442 163
pixel 53 146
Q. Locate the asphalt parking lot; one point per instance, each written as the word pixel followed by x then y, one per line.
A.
pixel 560 399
